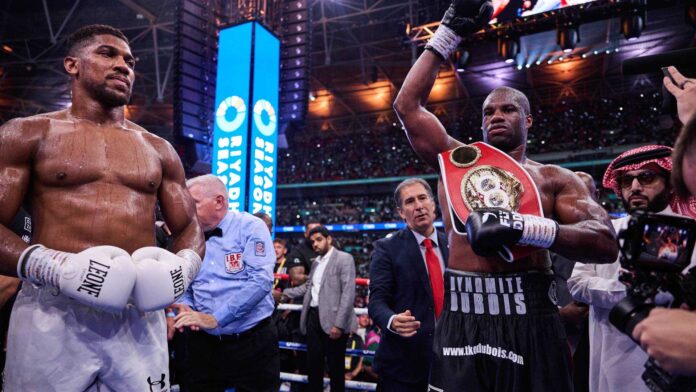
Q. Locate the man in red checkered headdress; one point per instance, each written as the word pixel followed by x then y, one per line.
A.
pixel 641 179
pixel 643 173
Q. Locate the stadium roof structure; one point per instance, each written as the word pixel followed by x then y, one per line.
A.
pixel 361 54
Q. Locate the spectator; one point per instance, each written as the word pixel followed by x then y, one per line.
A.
pixel 327 310
pixel 301 256
pixel 279 284
pixel 266 219
pixel 287 322
pixel 364 322
pixel 640 177
pixel 372 340
pixel 353 363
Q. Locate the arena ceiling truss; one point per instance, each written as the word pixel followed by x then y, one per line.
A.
pixel 362 50
pixel 32 33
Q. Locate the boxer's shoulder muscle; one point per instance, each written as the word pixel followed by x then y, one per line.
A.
pixel 550 181
pixel 21 137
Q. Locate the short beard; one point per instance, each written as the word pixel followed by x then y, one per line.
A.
pixel 657 204
pixel 109 99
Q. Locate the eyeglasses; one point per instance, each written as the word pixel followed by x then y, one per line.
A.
pixel 644 178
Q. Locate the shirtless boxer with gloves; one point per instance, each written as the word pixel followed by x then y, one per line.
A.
pixel 499 329
pixel 92 179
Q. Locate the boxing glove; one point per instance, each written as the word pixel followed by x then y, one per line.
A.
pixel 101 277
pixel 163 276
pixel 465 17
pixel 493 231
pixel 462 18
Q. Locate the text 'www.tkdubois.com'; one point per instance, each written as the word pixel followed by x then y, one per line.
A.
pixel 482 349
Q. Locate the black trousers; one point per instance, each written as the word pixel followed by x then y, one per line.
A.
pixel 320 346
pixel 249 362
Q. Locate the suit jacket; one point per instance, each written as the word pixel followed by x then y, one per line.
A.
pixel 336 295
pixel 399 281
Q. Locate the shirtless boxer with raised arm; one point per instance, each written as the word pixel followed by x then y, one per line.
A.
pixel 499 329
pixel 92 179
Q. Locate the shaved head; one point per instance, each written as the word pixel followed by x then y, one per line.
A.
pixel 515 95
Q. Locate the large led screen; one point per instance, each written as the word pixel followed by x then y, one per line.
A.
pixel 230 136
pixel 507 10
pixel 264 123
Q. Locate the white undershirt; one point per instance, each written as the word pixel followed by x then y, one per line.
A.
pixel 321 261
pixel 436 248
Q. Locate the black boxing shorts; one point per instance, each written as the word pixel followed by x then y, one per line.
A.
pixel 500 332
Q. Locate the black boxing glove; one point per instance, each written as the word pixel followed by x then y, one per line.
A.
pixel 462 18
pixel 494 231
pixel 465 17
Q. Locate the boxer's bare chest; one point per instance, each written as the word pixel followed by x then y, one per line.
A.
pixel 73 154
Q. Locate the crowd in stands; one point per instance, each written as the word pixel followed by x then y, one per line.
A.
pixel 384 151
pixel 364 209
pixel 342 209
pixel 326 156
pixel 598 124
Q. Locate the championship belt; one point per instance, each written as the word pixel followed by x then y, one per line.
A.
pixel 479 175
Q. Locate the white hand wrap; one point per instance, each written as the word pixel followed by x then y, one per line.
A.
pixel 194 263
pixel 41 266
pixel 444 41
pixel 538 231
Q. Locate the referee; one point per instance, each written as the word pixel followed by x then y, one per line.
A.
pixel 231 341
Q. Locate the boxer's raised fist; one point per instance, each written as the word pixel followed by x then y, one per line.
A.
pixel 467 16
pixel 163 277
pixel 101 277
pixel 493 231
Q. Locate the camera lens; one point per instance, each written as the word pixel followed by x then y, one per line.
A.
pixel 629 312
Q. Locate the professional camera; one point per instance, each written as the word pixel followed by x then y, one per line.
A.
pixel 655 250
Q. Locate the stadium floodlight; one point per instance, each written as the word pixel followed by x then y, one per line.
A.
pixel 462 59
pixel 508 48
pixel 632 26
pixel 567 37
pixel 633 19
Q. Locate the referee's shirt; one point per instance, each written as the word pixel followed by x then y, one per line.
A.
pixel 236 277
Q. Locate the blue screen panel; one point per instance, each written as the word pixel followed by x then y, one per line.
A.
pixel 264 123
pixel 229 160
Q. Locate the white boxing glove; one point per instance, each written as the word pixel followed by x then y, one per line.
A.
pixel 101 277
pixel 163 276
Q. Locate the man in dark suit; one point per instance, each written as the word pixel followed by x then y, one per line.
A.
pixel 327 310
pixel 406 290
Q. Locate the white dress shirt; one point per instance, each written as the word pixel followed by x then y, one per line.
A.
pixel 436 249
pixel 318 274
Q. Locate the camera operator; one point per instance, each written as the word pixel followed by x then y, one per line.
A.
pixel 669 335
pixel 640 178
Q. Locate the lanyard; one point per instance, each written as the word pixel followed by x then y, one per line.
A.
pixel 280 268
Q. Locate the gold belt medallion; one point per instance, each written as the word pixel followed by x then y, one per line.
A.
pixel 491 187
